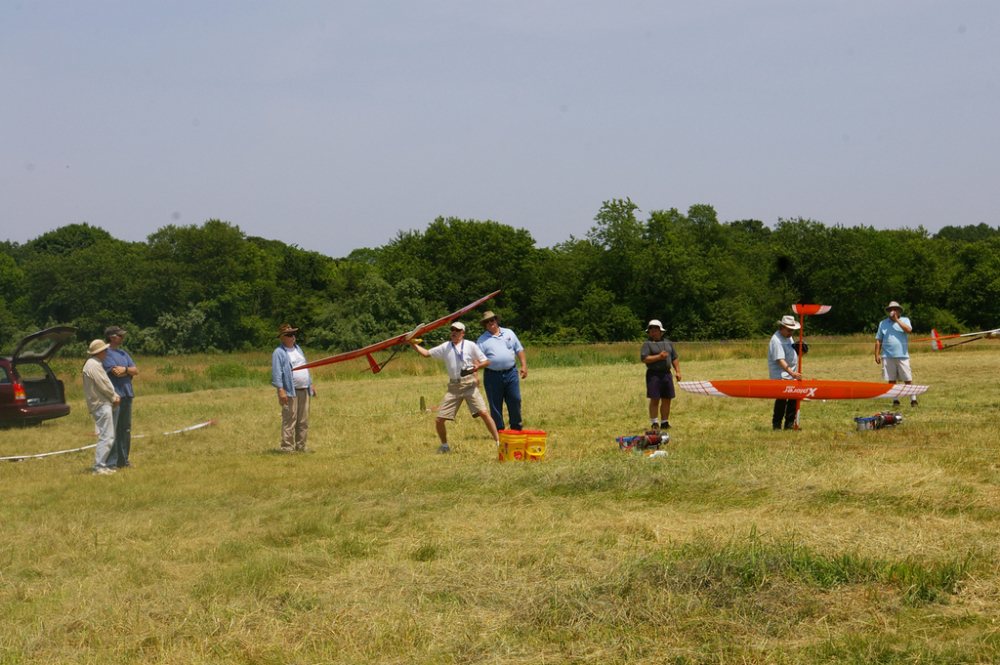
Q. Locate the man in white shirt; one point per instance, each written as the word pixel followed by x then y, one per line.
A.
pixel 101 401
pixel 462 359
pixel 294 390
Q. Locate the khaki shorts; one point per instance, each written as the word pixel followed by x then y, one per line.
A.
pixel 896 369
pixel 466 388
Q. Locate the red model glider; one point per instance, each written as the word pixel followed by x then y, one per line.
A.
pixel 394 341
pixel 800 390
pixel 936 344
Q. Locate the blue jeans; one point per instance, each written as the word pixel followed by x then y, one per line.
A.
pixel 503 387
pixel 118 457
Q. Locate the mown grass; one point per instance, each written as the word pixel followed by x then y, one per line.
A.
pixel 742 546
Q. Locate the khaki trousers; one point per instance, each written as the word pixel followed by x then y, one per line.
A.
pixel 295 421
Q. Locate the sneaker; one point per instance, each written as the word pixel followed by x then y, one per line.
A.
pixel 444 448
pixel 654 427
pixel 895 402
pixel 665 425
pixel 103 471
pixel 304 449
pixel 913 402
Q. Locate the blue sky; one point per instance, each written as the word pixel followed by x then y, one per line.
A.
pixel 334 125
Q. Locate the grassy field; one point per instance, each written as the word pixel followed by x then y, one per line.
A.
pixel 742 546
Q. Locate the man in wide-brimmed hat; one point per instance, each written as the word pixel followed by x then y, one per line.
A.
pixel 294 390
pixel 892 349
pixel 783 363
pixel 659 355
pixel 101 401
pixel 501 381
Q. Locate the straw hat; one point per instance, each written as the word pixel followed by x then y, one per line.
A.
pixel 788 321
pixel 894 305
pixel 489 315
pixel 97 346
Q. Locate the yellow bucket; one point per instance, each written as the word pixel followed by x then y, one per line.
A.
pixel 534 445
pixel 512 445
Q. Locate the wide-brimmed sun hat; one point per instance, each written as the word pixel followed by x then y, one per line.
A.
pixel 286 329
pixel 489 315
pixel 97 346
pixel 655 323
pixel 788 321
pixel 894 305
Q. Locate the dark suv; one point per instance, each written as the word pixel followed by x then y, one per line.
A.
pixel 29 391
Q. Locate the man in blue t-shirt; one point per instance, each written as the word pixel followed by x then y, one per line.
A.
pixel 892 348
pixel 783 364
pixel 120 369
pixel 501 380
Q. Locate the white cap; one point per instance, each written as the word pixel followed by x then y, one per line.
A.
pixel 458 324
pixel 655 323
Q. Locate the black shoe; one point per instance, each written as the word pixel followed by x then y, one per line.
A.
pixel 654 428
pixel 665 424
pixel 895 403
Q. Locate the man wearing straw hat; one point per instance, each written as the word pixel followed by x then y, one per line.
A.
pixel 501 381
pixel 294 389
pixel 892 349
pixel 782 364
pixel 101 402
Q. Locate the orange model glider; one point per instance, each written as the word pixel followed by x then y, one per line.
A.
pixel 800 390
pixel 367 352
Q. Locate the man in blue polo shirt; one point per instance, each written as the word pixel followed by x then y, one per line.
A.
pixel 892 349
pixel 120 369
pixel 501 382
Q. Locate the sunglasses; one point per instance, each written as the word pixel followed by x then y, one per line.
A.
pixel 454 330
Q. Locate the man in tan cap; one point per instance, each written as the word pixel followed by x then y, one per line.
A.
pixel 783 364
pixel 101 402
pixel 892 349
pixel 501 380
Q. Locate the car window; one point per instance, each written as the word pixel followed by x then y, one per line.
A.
pixel 28 371
pixel 4 375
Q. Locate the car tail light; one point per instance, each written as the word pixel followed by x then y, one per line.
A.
pixel 19 393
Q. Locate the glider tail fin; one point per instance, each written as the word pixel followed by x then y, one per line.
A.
pixel 936 340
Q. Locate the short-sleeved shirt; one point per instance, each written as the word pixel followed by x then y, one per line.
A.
pixel 119 358
pixel 652 347
pixel 501 349
pixel 781 347
pixel 893 338
pixel 457 357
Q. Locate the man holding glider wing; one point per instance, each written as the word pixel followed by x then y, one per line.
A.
pixel 462 359
pixel 783 363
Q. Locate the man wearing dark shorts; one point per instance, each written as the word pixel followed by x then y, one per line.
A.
pixel 658 355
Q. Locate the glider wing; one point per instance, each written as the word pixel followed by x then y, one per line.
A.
pixel 798 390
pixel 393 341
pixel 936 344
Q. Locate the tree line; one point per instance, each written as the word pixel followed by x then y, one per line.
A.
pixel 211 287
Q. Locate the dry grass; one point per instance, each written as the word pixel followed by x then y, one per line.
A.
pixel 742 546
